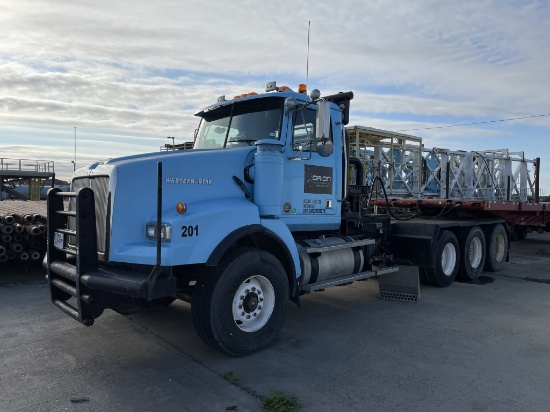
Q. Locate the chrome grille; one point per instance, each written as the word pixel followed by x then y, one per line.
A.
pixel 100 186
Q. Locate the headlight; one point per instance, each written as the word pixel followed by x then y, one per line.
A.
pixel 165 231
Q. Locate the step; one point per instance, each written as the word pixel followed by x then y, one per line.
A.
pixel 346 279
pixel 72 312
pixel 69 213
pixel 64 269
pixel 65 287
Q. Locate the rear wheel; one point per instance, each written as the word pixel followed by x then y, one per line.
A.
pixel 519 233
pixel 472 252
pixel 241 306
pixel 497 248
pixel 445 260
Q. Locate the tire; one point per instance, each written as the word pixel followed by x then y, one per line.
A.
pixel 240 307
pixel 422 278
pixel 445 260
pixel 472 253
pixel 496 248
pixel 520 233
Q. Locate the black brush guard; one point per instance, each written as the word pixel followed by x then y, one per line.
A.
pixel 79 285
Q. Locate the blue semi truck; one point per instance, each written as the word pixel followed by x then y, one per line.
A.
pixel 260 212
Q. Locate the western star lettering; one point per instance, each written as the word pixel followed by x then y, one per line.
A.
pixel 186 181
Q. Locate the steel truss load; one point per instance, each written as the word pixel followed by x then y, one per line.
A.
pixel 407 168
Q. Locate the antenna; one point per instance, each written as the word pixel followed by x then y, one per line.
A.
pixel 307 59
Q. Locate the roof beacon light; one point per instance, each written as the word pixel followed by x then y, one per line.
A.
pixel 302 88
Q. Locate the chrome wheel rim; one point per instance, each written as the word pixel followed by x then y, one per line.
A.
pixel 253 303
pixel 448 259
pixel 475 252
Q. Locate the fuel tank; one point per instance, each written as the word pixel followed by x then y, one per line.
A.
pixel 334 259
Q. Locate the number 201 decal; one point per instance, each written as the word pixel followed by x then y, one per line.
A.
pixel 189 231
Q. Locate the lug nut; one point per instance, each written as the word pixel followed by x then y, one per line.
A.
pixel 248 316
pixel 260 307
pixel 242 314
pixel 240 306
pixel 261 299
pixel 253 288
pixel 246 290
pixel 241 297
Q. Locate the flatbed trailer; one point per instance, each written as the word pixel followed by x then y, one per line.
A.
pixel 520 218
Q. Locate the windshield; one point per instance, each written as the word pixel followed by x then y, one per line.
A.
pixel 240 124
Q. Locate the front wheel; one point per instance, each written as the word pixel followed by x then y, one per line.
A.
pixel 241 306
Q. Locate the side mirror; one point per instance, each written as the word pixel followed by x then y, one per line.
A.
pixel 325 148
pixel 323 120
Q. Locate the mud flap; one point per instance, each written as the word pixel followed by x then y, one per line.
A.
pixel 400 285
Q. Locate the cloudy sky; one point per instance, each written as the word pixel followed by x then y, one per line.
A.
pixel 127 74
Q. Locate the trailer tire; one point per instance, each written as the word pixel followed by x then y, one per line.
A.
pixel 445 260
pixel 425 277
pixel 497 248
pixel 240 306
pixel 472 252
pixel 519 233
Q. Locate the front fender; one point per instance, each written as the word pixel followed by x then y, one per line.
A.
pixel 279 228
pixel 215 221
pixel 194 234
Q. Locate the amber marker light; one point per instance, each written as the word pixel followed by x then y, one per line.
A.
pixel 302 88
pixel 181 208
pixel 283 88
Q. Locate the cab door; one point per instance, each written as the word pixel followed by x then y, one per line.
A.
pixel 311 181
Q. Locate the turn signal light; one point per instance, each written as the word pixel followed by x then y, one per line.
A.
pixel 181 208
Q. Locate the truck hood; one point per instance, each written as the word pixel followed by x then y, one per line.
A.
pixel 204 174
pixel 126 190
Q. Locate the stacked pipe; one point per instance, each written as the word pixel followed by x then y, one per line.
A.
pixel 22 231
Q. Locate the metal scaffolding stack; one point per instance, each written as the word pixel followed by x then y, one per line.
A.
pixel 22 231
pixel 408 169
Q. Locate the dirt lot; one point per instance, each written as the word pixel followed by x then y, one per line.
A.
pixel 481 346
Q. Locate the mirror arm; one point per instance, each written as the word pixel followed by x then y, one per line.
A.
pixel 310 144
